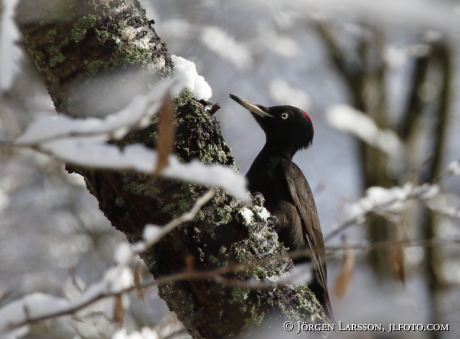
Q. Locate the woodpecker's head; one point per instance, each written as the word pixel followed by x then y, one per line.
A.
pixel 284 126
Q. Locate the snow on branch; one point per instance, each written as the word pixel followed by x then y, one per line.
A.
pixel 394 200
pixel 10 53
pixel 391 200
pixel 453 169
pixel 348 119
pixel 16 316
pixel 144 333
pixel 97 154
pixel 191 79
pixel 83 141
pixel 224 45
pixel 384 201
pixel 282 92
pixel 137 114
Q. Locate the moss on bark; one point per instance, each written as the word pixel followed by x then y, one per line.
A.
pixel 80 45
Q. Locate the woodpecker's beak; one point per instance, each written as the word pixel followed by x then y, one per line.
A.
pixel 253 108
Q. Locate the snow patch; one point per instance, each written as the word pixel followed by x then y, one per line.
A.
pixel 298 275
pixel 212 175
pixel 221 43
pixel 151 232
pixel 283 93
pixel 445 204
pixel 395 57
pixel 187 70
pixel 74 178
pixel 138 157
pixel 348 119
pixel 146 333
pixel 283 46
pixel 247 215
pixel 392 200
pixel 426 191
pixel 262 213
pixel 119 281
pixel 137 114
pixel 453 168
pixel 122 253
pixel 10 53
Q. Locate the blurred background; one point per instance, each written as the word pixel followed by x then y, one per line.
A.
pixel 396 62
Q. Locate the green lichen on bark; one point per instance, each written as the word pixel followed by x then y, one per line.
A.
pixel 92 45
pixel 55 59
pixel 81 42
pixel 82 25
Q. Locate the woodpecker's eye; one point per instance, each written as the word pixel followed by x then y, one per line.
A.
pixel 284 116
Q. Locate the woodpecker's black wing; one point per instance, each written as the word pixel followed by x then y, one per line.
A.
pixel 313 237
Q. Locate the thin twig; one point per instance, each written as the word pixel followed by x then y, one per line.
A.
pixel 379 208
pixel 106 292
pixel 216 275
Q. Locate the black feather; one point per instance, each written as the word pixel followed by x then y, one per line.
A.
pixel 286 190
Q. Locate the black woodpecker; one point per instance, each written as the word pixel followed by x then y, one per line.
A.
pixel 285 189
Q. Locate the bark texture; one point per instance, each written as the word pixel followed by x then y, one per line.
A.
pixel 88 50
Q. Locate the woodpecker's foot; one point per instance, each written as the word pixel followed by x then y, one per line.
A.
pixel 258 199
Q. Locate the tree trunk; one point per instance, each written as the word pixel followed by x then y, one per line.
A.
pixel 88 50
pixel 364 77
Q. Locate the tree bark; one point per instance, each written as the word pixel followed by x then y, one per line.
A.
pixel 86 51
pixel 441 58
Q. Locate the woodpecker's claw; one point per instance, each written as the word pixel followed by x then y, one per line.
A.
pixel 258 199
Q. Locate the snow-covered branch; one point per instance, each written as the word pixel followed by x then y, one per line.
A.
pixel 348 119
pixel 10 52
pixel 17 315
pixel 83 141
pixel 96 154
pixel 366 246
pixel 36 307
pixel 137 114
pixel 394 200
